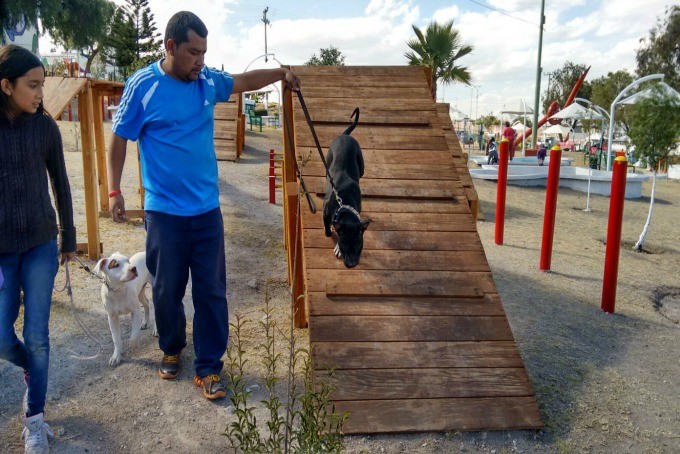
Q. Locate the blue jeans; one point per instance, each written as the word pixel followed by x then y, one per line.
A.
pixel 33 272
pixel 175 245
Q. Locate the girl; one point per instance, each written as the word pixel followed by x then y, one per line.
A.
pixel 30 149
pixel 492 151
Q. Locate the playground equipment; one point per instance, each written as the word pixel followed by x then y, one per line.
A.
pixel 550 209
pixel 554 108
pixel 416 333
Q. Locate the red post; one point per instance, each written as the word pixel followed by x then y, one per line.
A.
pixel 550 207
pixel 503 154
pixel 611 256
pixel 70 111
pixel 272 178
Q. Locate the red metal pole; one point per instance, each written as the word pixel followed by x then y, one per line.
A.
pixel 503 154
pixel 550 207
pixel 611 256
pixel 272 178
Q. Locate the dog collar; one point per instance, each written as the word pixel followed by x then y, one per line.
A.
pixel 346 208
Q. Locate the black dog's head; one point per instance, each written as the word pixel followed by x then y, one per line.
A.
pixel 350 230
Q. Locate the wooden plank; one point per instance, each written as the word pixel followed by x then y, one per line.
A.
pixel 322 304
pixel 424 222
pixel 417 189
pixel 341 82
pixel 373 116
pixel 425 415
pixel 396 142
pixel 423 241
pixel 59 91
pixel 457 204
pixel 367 92
pixel 348 104
pixel 427 382
pixel 380 282
pixel 407 329
pixel 379 156
pixel 226 134
pixel 373 71
pixel 385 355
pixel 407 260
pixel 89 172
pixel 401 171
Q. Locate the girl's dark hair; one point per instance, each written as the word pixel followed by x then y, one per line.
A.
pixel 15 62
pixel 179 25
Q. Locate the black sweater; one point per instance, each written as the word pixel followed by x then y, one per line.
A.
pixel 30 148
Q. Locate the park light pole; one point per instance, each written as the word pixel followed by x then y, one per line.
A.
pixel 610 145
pixel 537 93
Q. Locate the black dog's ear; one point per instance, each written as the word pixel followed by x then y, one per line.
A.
pixel 364 224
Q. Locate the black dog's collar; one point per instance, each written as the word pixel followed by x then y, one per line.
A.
pixel 349 208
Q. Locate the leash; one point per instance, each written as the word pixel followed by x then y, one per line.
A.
pixel 318 146
pixel 69 292
pixel 310 201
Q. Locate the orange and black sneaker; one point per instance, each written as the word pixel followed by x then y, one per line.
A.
pixel 213 387
pixel 169 367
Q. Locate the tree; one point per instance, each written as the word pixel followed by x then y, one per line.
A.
pixel 605 89
pixel 14 11
pixel 83 25
pixel 562 82
pixel 488 121
pixel 327 57
pixel 660 52
pixel 134 38
pixel 439 49
pixel 655 132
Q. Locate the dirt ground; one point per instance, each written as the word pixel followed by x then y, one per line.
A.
pixel 604 383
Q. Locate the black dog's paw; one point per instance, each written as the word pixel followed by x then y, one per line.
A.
pixel 328 233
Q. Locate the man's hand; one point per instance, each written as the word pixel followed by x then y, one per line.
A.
pixel 292 80
pixel 117 203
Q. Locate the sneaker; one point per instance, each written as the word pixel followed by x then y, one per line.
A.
pixel 169 367
pixel 213 387
pixel 35 434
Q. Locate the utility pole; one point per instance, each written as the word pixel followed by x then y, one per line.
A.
pixel 537 93
pixel 266 22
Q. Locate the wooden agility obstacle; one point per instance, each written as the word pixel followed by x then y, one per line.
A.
pixel 58 94
pixel 229 130
pixel 416 332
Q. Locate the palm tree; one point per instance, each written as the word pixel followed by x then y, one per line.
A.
pixel 439 49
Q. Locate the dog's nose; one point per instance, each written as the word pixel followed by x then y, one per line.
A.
pixel 133 270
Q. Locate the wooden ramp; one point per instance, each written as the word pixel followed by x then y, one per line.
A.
pixel 229 129
pixel 417 331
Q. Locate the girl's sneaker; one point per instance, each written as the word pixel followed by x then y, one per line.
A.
pixel 35 435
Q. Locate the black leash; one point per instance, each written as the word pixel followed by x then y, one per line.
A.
pixel 291 145
pixel 318 147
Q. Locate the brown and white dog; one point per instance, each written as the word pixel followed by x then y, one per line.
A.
pixel 122 292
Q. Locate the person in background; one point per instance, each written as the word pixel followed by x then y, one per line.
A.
pixel 541 153
pixel 510 134
pixel 30 150
pixel 492 151
pixel 168 106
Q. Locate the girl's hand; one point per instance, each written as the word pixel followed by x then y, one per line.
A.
pixel 66 257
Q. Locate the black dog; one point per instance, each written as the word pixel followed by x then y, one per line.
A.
pixel 346 166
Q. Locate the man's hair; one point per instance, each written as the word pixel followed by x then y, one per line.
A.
pixel 15 62
pixel 179 25
pixel 507 123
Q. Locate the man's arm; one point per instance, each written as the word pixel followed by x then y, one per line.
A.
pixel 258 78
pixel 116 161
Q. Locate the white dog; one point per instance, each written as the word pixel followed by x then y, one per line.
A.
pixel 122 291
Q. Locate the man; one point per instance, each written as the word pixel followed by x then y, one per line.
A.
pixel 510 134
pixel 168 107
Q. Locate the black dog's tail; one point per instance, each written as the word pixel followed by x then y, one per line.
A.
pixel 355 114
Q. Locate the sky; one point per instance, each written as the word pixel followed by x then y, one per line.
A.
pixel 504 33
